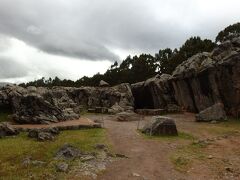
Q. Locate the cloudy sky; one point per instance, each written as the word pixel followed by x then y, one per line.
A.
pixel 73 38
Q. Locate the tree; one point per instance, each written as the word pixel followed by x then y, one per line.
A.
pixel 228 33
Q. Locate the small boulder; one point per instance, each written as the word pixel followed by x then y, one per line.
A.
pixel 45 134
pixel 7 130
pixel 103 83
pixel 62 167
pixel 161 125
pixel 127 116
pixel 213 113
pixel 67 151
pixel 115 109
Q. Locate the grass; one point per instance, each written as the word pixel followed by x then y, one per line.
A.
pixel 183 157
pixel 14 149
pixel 229 127
pixel 181 135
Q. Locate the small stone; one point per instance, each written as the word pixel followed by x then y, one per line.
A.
pixel 62 167
pixel 87 158
pixel 210 157
pixel 121 156
pixel 135 174
pixel 100 146
pixel 229 169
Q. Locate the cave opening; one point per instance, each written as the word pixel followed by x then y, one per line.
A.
pixel 143 98
pixel 5 111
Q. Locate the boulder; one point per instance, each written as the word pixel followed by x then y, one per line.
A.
pixel 103 83
pixel 127 116
pixel 115 109
pixel 68 152
pixel 7 130
pixel 161 125
pixel 213 113
pixel 62 167
pixel 45 134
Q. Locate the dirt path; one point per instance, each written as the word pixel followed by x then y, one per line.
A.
pixel 150 159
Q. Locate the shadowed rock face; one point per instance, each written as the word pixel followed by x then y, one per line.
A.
pixel 155 93
pixel 210 78
pixel 44 105
pixel 198 83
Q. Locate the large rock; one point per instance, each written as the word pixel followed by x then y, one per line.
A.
pixel 7 130
pixel 213 113
pixel 155 93
pixel 44 105
pixel 209 78
pixel 161 125
pixel 45 134
pixel 198 83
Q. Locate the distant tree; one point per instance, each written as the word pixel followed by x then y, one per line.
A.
pixel 228 33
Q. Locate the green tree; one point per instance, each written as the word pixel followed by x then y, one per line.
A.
pixel 228 33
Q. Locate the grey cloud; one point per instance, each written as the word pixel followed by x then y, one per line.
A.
pixel 93 29
pixel 10 68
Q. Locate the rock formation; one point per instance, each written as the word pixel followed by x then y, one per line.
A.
pixel 198 83
pixel 213 113
pixel 161 125
pixel 45 105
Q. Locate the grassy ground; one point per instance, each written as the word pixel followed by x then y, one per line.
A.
pixel 195 150
pixel 13 150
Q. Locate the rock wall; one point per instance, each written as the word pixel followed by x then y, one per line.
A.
pixel 154 93
pixel 44 105
pixel 198 83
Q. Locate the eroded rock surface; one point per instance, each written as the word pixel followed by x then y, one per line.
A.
pixel 198 83
pixel 7 130
pixel 161 125
pixel 44 105
pixel 213 113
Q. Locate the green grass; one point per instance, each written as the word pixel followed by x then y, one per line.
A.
pixel 14 149
pixel 181 135
pixel 184 156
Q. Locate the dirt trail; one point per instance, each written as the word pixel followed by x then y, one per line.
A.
pixel 150 159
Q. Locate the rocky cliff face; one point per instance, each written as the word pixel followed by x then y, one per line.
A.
pixel 198 83
pixel 44 105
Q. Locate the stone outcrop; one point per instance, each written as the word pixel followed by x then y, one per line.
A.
pixel 213 113
pixel 153 93
pixel 45 134
pixel 161 125
pixel 46 105
pixel 209 78
pixel 7 130
pixel 198 83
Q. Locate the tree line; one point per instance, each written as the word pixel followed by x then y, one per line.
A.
pixel 139 68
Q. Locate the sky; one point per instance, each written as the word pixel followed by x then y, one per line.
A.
pixel 74 38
